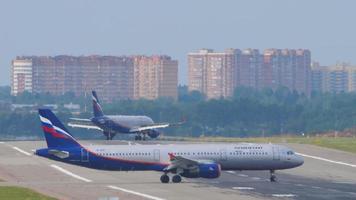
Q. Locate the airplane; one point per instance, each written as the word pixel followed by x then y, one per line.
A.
pixel 113 124
pixel 179 160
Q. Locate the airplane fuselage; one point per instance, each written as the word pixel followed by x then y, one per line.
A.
pixel 242 156
pixel 121 123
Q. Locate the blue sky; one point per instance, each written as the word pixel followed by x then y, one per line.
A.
pixel 113 27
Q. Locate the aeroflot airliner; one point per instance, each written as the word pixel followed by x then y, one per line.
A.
pixel 181 160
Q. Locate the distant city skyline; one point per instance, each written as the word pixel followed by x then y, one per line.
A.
pixel 174 28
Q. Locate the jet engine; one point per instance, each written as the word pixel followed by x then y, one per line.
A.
pixel 205 170
pixel 153 133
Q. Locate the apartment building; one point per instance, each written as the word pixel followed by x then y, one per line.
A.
pixel 217 74
pixel 114 77
pixel 213 73
pixel 154 77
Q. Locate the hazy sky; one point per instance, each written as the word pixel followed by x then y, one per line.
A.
pixel 114 27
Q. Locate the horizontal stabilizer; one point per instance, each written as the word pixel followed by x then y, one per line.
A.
pixel 59 154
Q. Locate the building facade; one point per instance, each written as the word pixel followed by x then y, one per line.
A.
pixel 213 73
pixel 111 76
pixel 21 76
pixel 154 77
pixel 217 74
pixel 335 79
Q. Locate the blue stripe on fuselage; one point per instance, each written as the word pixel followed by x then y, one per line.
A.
pixel 77 156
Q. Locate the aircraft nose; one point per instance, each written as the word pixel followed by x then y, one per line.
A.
pixel 299 160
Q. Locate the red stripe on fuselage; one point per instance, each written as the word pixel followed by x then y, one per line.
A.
pixel 53 132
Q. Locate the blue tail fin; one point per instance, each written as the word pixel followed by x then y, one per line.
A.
pixel 97 111
pixel 57 136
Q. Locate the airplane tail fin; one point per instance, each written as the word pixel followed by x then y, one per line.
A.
pixel 56 134
pixel 97 111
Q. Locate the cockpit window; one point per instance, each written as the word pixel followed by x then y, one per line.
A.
pixel 290 152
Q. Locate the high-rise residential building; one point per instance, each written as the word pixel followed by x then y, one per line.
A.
pixel 335 79
pixel 217 74
pixel 289 68
pixel 213 73
pixel 155 76
pixel 316 77
pixel 111 76
pixel 250 69
pixel 302 71
pixel 21 76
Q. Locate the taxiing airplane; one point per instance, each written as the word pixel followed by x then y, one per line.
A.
pixel 181 160
pixel 113 124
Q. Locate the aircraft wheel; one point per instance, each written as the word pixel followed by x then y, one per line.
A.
pixel 273 177
pixel 176 179
pixel 164 178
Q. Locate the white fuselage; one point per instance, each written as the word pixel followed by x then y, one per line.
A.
pixel 241 156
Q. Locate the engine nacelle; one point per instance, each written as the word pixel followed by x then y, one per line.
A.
pixel 153 133
pixel 210 170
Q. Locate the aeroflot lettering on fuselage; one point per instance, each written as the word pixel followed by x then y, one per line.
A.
pixel 187 160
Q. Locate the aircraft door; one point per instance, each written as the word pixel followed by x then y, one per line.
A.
pixel 275 151
pixel 223 154
pixel 84 155
pixel 156 155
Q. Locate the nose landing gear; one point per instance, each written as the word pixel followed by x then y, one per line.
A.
pixel 273 177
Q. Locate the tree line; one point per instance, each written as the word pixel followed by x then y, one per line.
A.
pixel 249 112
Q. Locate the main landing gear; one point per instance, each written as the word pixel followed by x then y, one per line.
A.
pixel 109 135
pixel 140 137
pixel 273 177
pixel 175 179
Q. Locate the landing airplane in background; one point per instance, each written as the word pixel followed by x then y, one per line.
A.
pixel 181 160
pixel 113 124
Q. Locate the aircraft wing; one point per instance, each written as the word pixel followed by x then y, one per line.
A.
pixel 84 125
pixel 149 127
pixel 80 119
pixel 181 162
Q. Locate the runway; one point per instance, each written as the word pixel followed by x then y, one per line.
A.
pixel 326 174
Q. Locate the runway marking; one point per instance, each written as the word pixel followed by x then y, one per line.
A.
pixel 256 178
pixel 33 150
pixel 243 188
pixel 231 172
pixel 242 175
pixel 134 192
pixel 299 185
pixel 22 151
pixel 316 187
pixel 70 173
pixel 327 160
pixel 284 195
